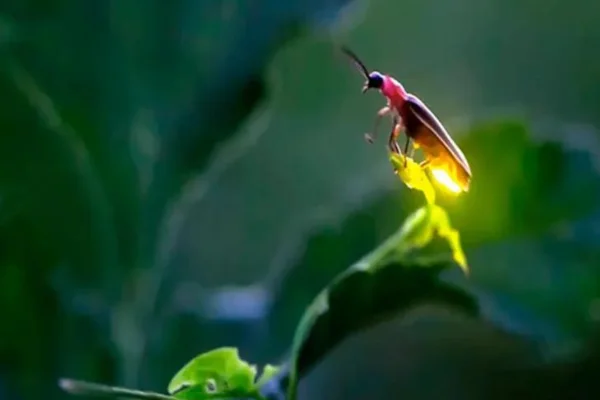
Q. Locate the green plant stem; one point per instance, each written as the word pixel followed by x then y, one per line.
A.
pixel 96 389
pixel 377 257
pixel 396 244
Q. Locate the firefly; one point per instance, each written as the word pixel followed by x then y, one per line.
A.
pixel 445 159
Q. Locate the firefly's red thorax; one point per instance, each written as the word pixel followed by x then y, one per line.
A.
pixel 393 90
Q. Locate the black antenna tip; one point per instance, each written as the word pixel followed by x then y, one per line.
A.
pixel 359 64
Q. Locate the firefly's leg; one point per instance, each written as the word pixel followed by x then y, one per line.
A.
pixel 406 145
pixel 406 149
pixel 395 148
pixel 424 163
pixel 380 114
pixel 398 127
pixel 392 143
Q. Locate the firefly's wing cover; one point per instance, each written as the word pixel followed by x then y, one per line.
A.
pixel 427 117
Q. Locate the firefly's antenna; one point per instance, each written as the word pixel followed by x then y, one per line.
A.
pixel 361 67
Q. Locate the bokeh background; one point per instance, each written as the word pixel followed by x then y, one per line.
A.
pixel 181 175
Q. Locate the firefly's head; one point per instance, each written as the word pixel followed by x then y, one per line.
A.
pixel 375 80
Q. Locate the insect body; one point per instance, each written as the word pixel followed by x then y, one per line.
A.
pixel 443 157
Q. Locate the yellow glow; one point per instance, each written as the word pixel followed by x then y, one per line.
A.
pixel 442 177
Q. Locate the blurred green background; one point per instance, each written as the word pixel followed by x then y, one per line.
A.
pixel 178 176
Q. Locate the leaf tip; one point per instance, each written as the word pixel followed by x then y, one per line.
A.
pixel 461 260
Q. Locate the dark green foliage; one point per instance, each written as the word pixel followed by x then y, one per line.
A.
pixel 110 107
pixel 365 295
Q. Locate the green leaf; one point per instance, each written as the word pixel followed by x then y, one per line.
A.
pixel 420 227
pixel 413 175
pixel 218 373
pixel 384 283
